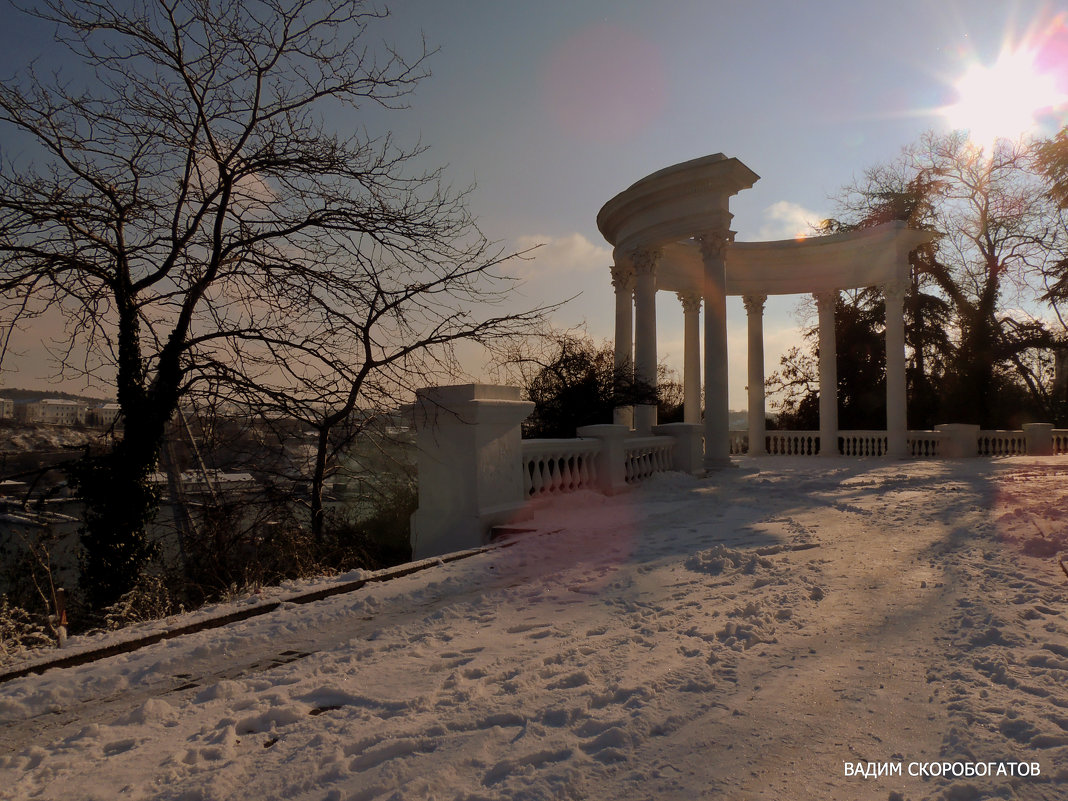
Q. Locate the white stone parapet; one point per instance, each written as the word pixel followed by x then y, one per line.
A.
pixel 470 465
pixel 552 466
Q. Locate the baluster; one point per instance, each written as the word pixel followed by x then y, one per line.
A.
pixel 537 479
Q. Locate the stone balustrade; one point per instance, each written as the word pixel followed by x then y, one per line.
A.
pixel 643 456
pixel 1002 443
pixel 1060 441
pixel 923 444
pixel 552 466
pixel 862 443
pixel 793 443
pixel 738 441
pixel 476 473
pixel 947 441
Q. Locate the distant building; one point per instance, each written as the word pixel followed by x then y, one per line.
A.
pixel 7 408
pixel 57 412
pixel 105 415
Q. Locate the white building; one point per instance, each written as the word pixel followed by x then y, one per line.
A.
pixel 7 408
pixel 106 415
pixel 57 412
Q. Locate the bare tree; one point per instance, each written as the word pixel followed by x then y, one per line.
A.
pixel 199 224
pixel 1000 236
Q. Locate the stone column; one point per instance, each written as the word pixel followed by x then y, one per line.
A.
pixel 717 422
pixel 645 262
pixel 896 403
pixel 825 303
pixel 754 309
pixel 691 370
pixel 623 281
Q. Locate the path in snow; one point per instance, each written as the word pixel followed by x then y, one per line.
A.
pixel 740 637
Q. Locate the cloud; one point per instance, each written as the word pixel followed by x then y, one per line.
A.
pixel 562 255
pixel 786 220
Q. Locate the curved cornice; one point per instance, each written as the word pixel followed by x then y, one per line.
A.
pixel 866 257
pixel 679 201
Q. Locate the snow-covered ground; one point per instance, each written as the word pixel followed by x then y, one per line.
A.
pixel 753 635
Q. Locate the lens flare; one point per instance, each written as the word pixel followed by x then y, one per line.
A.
pixel 1011 97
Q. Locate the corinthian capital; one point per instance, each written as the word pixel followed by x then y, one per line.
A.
pixel 645 261
pixel 895 291
pixel 827 299
pixel 714 244
pixel 754 304
pixel 691 301
pixel 622 278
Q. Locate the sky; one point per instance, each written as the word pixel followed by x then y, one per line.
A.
pixel 552 108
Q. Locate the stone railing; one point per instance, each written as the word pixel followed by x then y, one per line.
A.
pixel 1002 443
pixel 1036 439
pixel 559 465
pixel 643 456
pixel 738 441
pixel 862 443
pixel 923 444
pixel 1060 441
pixel 477 475
pixel 793 443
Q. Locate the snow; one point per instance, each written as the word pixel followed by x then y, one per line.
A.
pixel 744 636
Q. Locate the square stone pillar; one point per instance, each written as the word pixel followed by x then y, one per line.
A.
pixel 611 464
pixel 470 465
pixel 959 440
pixel 686 456
pixel 1038 438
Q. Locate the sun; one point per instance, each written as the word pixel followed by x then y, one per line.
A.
pixel 1004 100
pixel 1020 93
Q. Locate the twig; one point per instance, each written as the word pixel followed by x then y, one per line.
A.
pixel 1064 568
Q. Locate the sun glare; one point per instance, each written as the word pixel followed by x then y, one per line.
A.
pixel 1009 98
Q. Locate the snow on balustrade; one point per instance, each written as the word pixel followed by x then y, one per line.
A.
pixel 923 444
pixel 862 443
pixel 647 455
pixel 1060 441
pixel 559 465
pixel 1002 443
pixel 793 443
